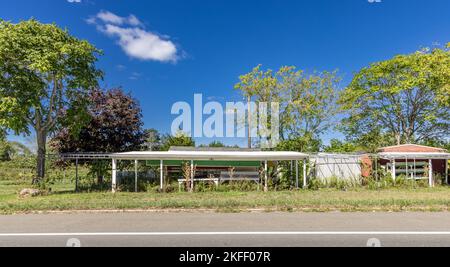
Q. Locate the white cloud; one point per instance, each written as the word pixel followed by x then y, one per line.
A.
pixel 74 1
pixel 135 40
pixel 141 44
pixel 109 17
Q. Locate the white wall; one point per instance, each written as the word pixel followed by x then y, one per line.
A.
pixel 341 166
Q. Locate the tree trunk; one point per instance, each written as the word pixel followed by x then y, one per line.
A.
pixel 41 153
pixel 249 122
pixel 100 179
pixel 398 139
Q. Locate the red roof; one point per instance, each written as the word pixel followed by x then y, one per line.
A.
pixel 412 148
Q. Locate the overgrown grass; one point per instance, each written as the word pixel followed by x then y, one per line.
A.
pixel 356 199
pixel 334 195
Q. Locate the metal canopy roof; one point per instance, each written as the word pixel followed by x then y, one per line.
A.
pixel 414 155
pixel 211 155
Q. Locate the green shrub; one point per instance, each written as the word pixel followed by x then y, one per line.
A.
pixel 334 182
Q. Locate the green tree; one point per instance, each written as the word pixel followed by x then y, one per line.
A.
pixel 404 99
pixel 180 139
pixel 300 144
pixel 257 86
pixel 6 151
pixel 19 149
pixel 214 144
pixel 45 74
pixel 152 140
pixel 338 146
pixel 11 150
pixel 307 103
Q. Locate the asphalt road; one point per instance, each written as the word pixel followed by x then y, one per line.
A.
pixel 192 229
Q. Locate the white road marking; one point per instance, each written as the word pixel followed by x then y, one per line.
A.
pixel 226 233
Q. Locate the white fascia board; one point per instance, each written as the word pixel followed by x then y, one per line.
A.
pixel 213 155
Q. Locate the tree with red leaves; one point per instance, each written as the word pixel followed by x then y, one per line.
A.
pixel 115 125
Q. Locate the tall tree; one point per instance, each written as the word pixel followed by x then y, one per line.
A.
pixel 405 98
pixel 258 86
pixel 153 140
pixel 307 102
pixel 115 125
pixel 45 74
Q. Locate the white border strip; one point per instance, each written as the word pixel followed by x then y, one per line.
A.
pixel 225 233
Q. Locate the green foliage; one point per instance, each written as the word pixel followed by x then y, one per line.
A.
pixel 445 144
pixel 333 182
pixel 300 144
pixel 307 102
pixel 216 144
pixel 43 70
pixel 403 100
pixel 180 139
pixel 337 146
pixel 6 151
pixel 13 150
pixel 45 75
pixel 153 140
pixel 386 182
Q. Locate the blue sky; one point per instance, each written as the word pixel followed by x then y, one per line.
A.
pixel 165 51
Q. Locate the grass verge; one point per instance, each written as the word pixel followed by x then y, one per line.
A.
pixel 423 199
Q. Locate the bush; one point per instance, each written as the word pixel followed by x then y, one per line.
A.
pixel 334 182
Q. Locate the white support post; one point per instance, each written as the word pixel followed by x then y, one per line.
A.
pixel 296 175
pixel 192 176
pixel 305 178
pixel 394 171
pixel 292 170
pixel 407 168
pixel 76 175
pixel 446 171
pixel 114 176
pixel 136 176
pixel 430 174
pixel 161 175
pixel 266 185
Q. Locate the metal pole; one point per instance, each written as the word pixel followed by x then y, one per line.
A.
pixel 394 171
pixel 305 181
pixel 192 176
pixel 266 185
pixel 161 173
pixel 376 168
pixel 292 171
pixel 446 171
pixel 114 175
pixel 76 175
pixel 136 176
pixel 430 174
pixel 407 167
pixel 296 175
